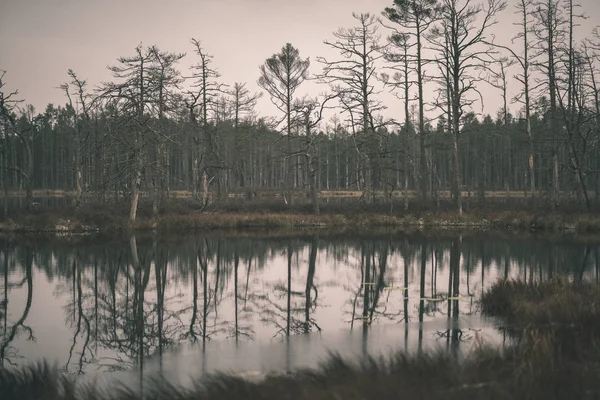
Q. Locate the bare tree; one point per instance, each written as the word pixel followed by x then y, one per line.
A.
pixel 498 78
pixel 573 112
pixel 523 8
pixel 549 31
pixel 401 76
pixel 353 78
pixel 461 44
pixel 574 117
pixel 81 120
pixel 280 76
pixel 166 95
pixel 131 98
pixel 208 90
pixel 591 56
pixel 8 108
pixel 401 80
pixel 416 17
pixel 310 114
pixel 243 101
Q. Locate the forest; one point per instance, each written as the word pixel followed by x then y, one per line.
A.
pixel 157 131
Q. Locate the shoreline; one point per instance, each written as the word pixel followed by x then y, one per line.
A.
pixel 91 219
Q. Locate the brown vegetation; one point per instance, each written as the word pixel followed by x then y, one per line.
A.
pixel 565 313
pixel 556 323
pixel 185 215
pixel 556 301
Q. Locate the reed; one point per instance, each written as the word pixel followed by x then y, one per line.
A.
pixel 554 302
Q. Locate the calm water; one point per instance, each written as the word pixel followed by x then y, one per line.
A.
pixel 257 302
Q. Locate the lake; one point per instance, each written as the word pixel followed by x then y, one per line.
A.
pixel 259 301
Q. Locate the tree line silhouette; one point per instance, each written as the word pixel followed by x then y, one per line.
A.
pixel 155 129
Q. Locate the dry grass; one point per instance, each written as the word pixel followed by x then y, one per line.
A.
pixel 555 321
pixel 186 214
pixel 553 302
pixel 487 374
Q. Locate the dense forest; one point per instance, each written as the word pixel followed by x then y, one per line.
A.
pixel 155 130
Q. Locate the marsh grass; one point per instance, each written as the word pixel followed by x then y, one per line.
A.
pixel 186 215
pixel 556 325
pixel 554 303
pixel 487 373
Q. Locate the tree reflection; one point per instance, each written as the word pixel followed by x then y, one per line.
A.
pixel 422 293
pixel 244 331
pixel 7 352
pixel 291 318
pixel 210 296
pixel 454 334
pixel 130 300
pixel 373 266
pixel 455 278
pixel 132 313
pixel 310 304
pixel 77 309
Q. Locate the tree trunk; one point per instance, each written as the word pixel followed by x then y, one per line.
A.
pixel 456 174
pixel 135 184
pixel 78 173
pixel 423 171
pixel 555 179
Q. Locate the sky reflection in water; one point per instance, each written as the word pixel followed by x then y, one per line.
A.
pixel 210 303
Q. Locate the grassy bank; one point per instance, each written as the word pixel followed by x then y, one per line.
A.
pixel 555 302
pixel 556 356
pixel 555 322
pixel 560 315
pixel 186 215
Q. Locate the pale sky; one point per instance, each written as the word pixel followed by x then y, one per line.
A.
pixel 41 39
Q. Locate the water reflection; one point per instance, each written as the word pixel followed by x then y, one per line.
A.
pixel 119 305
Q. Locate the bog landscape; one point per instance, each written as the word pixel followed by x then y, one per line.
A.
pixel 377 233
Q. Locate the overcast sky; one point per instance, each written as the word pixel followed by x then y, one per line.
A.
pixel 41 39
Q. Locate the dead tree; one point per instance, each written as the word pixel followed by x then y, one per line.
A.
pixel 591 55
pixel 461 46
pixel 309 114
pixel 166 79
pixel 131 97
pixel 81 122
pixel 205 158
pixel 353 78
pixel 416 17
pixel 574 117
pixel 8 108
pixel 401 80
pixel 549 32
pixel 524 9
pixel 498 78
pixel 573 113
